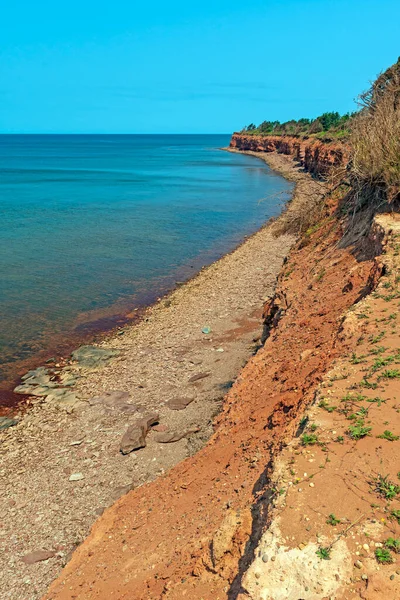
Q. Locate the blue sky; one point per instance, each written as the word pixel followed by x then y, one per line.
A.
pixel 185 66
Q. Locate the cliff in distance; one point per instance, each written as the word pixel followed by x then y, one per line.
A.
pixel 317 157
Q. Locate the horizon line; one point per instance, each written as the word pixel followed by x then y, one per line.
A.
pixel 108 133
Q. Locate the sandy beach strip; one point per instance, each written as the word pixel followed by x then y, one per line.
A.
pixel 61 466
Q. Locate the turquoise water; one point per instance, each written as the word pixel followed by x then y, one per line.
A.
pixel 94 225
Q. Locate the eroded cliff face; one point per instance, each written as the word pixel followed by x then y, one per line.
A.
pixel 318 158
pixel 196 531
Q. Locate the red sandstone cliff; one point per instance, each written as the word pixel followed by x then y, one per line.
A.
pixel 317 157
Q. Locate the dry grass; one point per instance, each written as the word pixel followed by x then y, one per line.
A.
pixel 303 212
pixel 375 141
pixel 373 172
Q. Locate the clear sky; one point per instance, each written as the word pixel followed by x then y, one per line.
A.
pixel 185 66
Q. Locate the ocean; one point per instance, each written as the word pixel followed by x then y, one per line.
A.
pixel 93 226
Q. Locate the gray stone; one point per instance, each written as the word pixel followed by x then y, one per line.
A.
pixel 6 422
pixel 91 357
pixel 61 395
pixel 35 373
pixel 68 379
pixel 76 477
pixel 32 390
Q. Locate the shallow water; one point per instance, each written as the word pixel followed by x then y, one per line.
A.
pixel 94 225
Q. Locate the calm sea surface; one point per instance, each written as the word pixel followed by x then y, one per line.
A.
pixel 92 225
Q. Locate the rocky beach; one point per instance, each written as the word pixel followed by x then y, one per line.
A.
pixel 117 415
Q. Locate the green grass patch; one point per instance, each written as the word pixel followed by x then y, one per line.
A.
pixel 309 439
pixel 393 544
pixel 386 488
pixel 332 520
pixel 388 435
pixel 324 553
pixel 356 432
pixel 390 374
pixel 383 556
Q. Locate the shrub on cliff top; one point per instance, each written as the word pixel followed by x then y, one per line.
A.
pixel 329 123
pixel 375 141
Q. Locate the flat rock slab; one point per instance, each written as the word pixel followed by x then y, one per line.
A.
pixel 38 556
pixel 115 401
pixel 178 403
pixel 91 357
pixel 50 383
pixel 121 491
pixel 175 436
pixel 198 377
pixel 160 428
pixel 135 436
pixel 62 395
pixel 35 373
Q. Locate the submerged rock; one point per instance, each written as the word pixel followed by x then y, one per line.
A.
pixel 33 390
pixel 50 383
pixel 6 422
pixel 35 373
pixel 36 382
pixel 90 357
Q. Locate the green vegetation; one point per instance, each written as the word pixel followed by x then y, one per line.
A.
pixel 364 383
pixel 386 488
pixel 377 400
pixel 330 125
pixel 377 338
pixel 309 440
pixel 356 360
pixel 388 435
pixel 390 374
pixel 393 544
pixel 395 514
pixel 383 556
pixel 324 553
pixel 332 520
pixel 382 362
pixel 356 432
pixel 324 404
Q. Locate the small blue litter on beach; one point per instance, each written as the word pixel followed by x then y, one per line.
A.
pixel 206 330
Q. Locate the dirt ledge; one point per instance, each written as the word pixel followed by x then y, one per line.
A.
pixel 196 531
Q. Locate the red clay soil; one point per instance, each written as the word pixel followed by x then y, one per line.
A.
pixel 315 156
pixel 192 533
